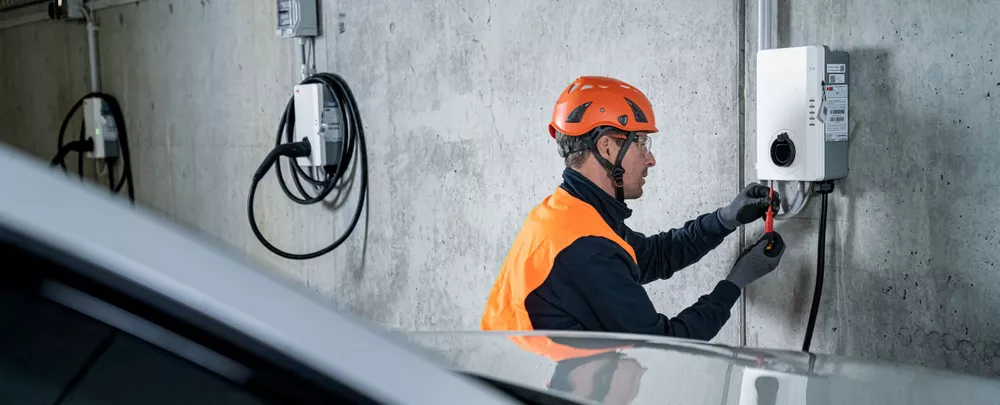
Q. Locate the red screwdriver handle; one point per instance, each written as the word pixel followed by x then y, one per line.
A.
pixel 769 216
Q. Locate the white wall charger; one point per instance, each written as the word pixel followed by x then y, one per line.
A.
pixel 99 125
pixel 317 118
pixel 802 114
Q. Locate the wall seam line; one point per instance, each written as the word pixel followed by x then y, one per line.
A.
pixel 741 134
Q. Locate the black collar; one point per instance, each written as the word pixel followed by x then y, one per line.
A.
pixel 613 211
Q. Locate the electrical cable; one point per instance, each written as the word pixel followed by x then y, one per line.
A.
pixel 79 162
pixel 353 133
pixel 307 48
pixel 824 189
pixel 85 144
pixel 109 164
pixel 304 70
pixel 792 203
pixel 75 146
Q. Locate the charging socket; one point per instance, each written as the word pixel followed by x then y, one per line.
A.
pixel 318 120
pixel 99 125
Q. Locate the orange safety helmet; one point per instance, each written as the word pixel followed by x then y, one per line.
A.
pixel 592 102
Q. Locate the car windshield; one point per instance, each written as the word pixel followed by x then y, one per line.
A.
pixel 70 337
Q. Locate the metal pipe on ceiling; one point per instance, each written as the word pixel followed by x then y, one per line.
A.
pixel 8 5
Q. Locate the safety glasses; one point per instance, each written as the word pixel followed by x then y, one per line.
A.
pixel 641 140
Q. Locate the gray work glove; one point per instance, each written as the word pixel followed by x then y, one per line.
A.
pixel 751 204
pixel 756 261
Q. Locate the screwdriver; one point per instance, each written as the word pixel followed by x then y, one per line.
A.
pixel 769 216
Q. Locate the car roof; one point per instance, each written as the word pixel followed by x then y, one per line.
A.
pixel 132 243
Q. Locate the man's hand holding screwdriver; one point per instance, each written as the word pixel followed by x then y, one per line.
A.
pixel 755 201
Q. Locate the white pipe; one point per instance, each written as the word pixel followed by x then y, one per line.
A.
pixel 103 4
pixel 764 24
pixel 41 13
pixel 95 81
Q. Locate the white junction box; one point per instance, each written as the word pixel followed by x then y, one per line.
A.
pixel 73 9
pixel 297 18
pixel 99 125
pixel 318 118
pixel 802 114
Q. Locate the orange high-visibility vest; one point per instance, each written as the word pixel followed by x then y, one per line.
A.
pixel 552 226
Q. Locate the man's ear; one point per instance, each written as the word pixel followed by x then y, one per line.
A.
pixel 604 147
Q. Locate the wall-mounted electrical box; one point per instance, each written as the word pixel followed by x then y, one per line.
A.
pixel 317 118
pixel 297 18
pixel 66 9
pixel 802 113
pixel 99 125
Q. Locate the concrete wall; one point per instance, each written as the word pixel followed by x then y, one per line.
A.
pixel 460 113
pixel 914 231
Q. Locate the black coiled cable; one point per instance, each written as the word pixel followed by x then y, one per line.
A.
pixel 84 144
pixel 353 135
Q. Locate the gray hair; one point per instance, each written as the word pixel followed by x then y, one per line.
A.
pixel 578 144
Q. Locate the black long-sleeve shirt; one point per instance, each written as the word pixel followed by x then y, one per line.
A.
pixel 594 285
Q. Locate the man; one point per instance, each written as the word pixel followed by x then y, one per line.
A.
pixel 575 265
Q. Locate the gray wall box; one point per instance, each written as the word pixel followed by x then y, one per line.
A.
pixel 297 18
